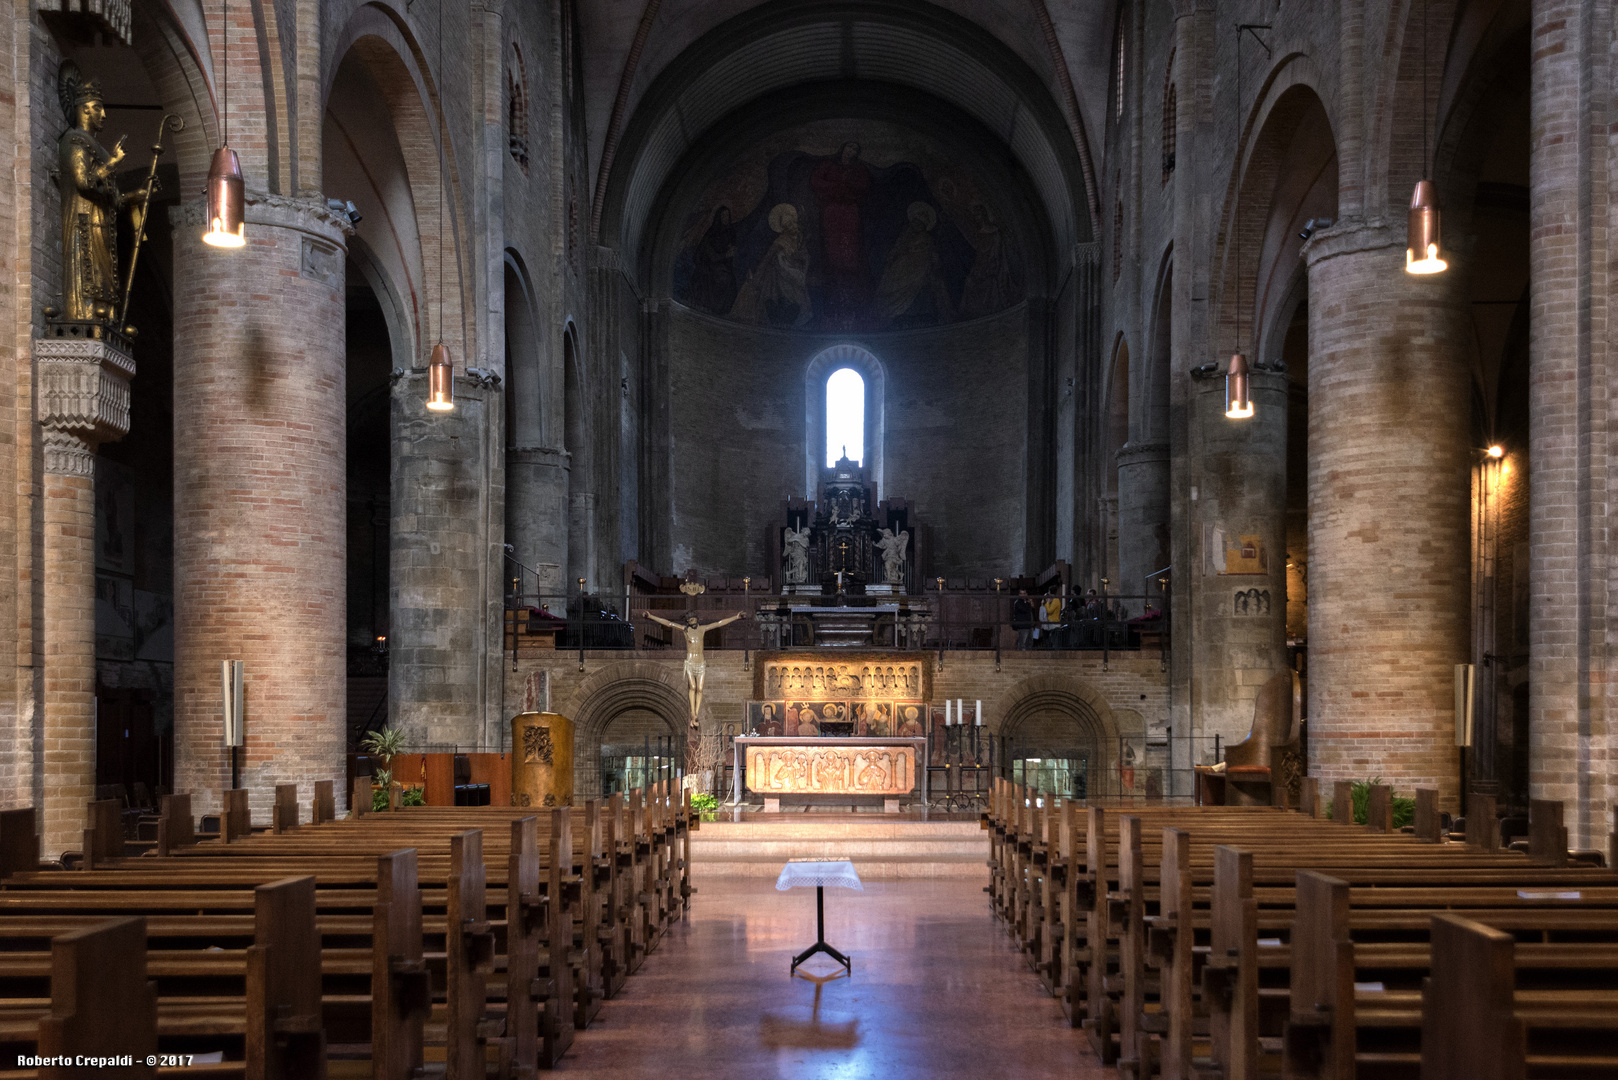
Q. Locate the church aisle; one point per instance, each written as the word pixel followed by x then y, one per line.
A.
pixel 938 991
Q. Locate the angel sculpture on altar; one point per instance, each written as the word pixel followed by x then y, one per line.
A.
pixel 797 555
pixel 893 547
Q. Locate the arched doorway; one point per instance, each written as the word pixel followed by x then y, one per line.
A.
pixel 1062 739
pixel 620 713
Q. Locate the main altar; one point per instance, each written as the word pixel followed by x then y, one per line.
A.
pixel 843 726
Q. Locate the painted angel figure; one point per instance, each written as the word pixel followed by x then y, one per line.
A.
pixel 893 554
pixel 695 663
pixel 797 555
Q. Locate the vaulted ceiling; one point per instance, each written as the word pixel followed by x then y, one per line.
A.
pixel 700 60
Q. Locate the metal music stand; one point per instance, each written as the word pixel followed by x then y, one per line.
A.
pixel 839 874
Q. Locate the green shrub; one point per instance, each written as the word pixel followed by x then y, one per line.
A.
pixel 379 799
pixel 706 805
pixel 413 796
pixel 1404 807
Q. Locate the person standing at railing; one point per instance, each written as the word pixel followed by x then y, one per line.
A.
pixel 1022 619
pixel 1050 618
pixel 1094 614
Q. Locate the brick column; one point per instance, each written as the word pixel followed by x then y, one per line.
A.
pixel 1389 543
pixel 259 515
pixel 83 400
pixel 1573 739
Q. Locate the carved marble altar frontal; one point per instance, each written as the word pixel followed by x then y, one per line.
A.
pixel 831 767
pixel 889 677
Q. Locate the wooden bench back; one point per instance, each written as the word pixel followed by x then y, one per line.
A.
pixel 1468 1028
pixel 101 1004
pixel 19 842
pixel 285 1031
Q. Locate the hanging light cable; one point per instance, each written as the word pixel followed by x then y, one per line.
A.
pixel 227 191
pixel 1424 250
pixel 1238 383
pixel 440 367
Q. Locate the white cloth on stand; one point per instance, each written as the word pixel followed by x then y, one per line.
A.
pixel 836 875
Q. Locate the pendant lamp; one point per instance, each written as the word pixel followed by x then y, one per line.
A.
pixel 227 191
pixel 1238 376
pixel 226 198
pixel 440 380
pixel 1238 391
pixel 440 368
pixel 1424 249
pixel 1423 255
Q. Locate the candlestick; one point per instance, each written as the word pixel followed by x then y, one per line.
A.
pixel 979 713
pixel 946 712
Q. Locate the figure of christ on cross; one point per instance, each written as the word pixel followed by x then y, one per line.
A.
pixel 695 668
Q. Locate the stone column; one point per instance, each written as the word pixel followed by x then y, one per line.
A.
pixel 1240 473
pixel 83 386
pixel 447 567
pixel 1143 516
pixel 537 517
pixel 259 490
pixel 1573 737
pixel 1390 413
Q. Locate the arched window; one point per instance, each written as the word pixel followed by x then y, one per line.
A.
pixel 845 416
pixel 1118 238
pixel 517 109
pixel 1171 104
pixel 1119 75
pixel 843 399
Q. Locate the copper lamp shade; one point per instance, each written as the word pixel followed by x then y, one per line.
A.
pixel 226 201
pixel 1238 391
pixel 440 380
pixel 1422 256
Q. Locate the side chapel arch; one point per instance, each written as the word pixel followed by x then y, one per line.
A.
pixel 1060 716
pixel 608 694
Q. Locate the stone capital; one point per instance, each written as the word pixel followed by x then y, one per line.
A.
pixel 1351 237
pixel 554 457
pixel 83 396
pixel 68 454
pixel 1134 453
pixel 310 216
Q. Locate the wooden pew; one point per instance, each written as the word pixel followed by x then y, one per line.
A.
pixel 1475 1024
pixel 101 1005
pixel 1354 839
pixel 437 829
pixel 275 1015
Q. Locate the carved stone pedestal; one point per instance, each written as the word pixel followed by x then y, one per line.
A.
pixel 83 388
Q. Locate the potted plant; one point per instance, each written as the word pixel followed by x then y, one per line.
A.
pixel 705 805
pixel 384 744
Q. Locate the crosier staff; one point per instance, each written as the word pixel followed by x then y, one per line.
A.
pixel 144 211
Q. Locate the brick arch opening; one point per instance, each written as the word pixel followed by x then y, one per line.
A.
pixel 1055 716
pixel 614 692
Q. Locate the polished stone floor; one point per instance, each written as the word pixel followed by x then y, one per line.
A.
pixel 938 990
